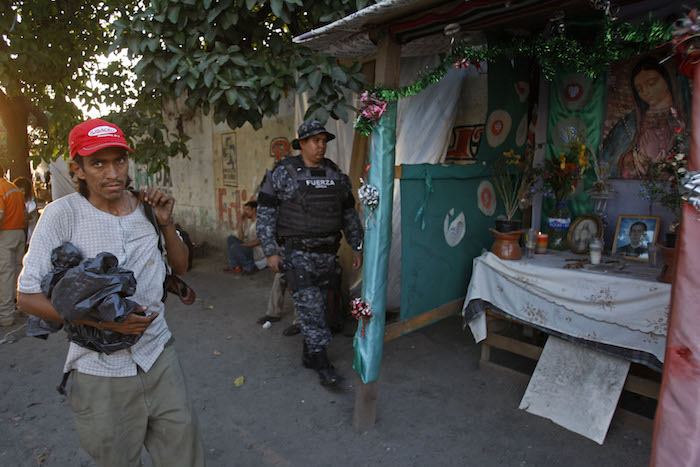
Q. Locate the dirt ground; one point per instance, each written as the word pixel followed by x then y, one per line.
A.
pixel 435 407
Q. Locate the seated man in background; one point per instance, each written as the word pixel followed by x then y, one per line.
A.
pixel 242 254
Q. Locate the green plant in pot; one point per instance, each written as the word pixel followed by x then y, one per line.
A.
pixel 511 181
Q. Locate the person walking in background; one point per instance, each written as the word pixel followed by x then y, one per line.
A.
pixel 32 209
pixel 242 254
pixel 12 245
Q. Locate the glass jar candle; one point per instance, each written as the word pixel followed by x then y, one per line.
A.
pixel 595 249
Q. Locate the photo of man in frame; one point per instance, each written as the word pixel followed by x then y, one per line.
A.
pixel 634 236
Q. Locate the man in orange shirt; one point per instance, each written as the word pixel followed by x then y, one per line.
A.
pixel 11 245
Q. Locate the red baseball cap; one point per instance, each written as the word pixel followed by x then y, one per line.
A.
pixel 93 135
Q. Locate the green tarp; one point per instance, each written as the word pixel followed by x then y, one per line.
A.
pixel 443 230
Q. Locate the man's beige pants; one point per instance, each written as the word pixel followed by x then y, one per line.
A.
pixel 275 305
pixel 11 253
pixel 116 417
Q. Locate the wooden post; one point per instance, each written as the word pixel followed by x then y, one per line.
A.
pixel 387 69
pixel 358 163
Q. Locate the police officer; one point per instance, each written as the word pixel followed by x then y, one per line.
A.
pixel 304 203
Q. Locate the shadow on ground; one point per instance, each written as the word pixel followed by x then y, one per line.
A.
pixel 435 406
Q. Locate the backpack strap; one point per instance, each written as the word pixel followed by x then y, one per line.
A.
pixel 151 216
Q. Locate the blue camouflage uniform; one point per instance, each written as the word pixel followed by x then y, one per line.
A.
pixel 309 257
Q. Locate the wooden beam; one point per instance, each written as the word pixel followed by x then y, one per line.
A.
pixel 635 384
pixel 642 386
pixel 358 163
pixel 387 69
pixel 365 413
pixel 514 346
pixel 388 64
pixel 395 330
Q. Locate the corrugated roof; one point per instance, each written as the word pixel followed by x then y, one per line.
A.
pixel 418 24
pixel 349 37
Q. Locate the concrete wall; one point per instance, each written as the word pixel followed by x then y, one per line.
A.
pixel 223 171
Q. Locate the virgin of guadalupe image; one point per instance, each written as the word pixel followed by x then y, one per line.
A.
pixel 647 134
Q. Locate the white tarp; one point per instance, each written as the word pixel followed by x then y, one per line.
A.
pixel 424 126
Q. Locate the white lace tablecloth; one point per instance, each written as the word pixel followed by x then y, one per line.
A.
pixel 618 304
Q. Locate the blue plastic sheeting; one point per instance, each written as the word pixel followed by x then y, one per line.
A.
pixel 368 349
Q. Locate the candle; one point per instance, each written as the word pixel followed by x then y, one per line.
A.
pixel 542 240
pixel 596 250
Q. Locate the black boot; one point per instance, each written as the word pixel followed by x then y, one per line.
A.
pixel 326 372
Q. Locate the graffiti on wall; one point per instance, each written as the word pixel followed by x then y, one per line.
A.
pixel 229 159
pixel 229 205
pixel 464 145
pixel 161 179
pixel 280 148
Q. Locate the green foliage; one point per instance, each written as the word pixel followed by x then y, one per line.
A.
pixel 236 59
pixel 53 56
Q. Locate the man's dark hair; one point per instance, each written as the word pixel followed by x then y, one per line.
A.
pixel 81 185
pixel 2 170
pixel 639 223
pixel 252 204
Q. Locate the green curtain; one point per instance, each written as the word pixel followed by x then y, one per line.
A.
pixel 368 349
pixel 442 231
pixel 506 121
pixel 576 108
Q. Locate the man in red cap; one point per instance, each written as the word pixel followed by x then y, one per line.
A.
pixel 137 396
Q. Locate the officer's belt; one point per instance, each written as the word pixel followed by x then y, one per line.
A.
pixel 298 244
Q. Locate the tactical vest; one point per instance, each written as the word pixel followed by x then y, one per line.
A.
pixel 316 209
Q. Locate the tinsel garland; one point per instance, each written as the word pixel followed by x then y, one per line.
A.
pixel 555 54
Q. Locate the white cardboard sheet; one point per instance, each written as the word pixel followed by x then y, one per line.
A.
pixel 576 387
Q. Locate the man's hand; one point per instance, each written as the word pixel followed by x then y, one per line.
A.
pixel 162 203
pixel 133 324
pixel 357 260
pixel 273 262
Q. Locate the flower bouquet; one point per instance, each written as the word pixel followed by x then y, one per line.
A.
pixel 557 178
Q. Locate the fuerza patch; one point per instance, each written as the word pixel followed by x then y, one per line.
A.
pixel 320 183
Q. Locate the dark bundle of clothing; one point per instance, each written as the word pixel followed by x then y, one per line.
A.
pixel 94 289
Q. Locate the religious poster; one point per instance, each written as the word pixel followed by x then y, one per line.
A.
pixel 646 113
pixel 229 159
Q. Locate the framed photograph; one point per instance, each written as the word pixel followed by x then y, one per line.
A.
pixel 634 235
pixel 582 231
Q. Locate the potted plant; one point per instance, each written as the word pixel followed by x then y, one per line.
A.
pixel 511 181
